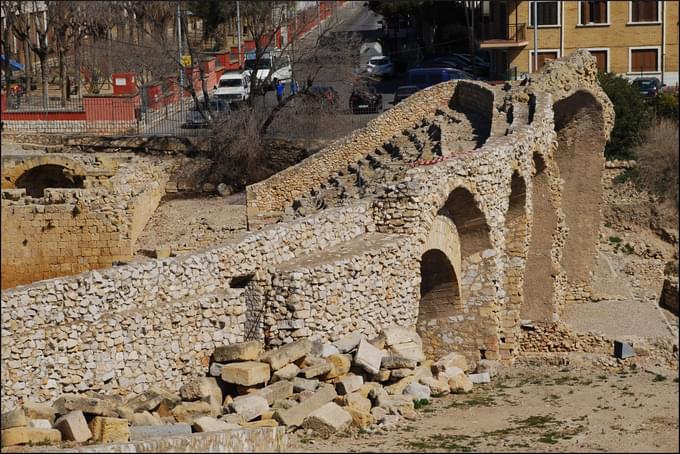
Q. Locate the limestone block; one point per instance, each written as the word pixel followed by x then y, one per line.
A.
pixel 460 383
pixel 284 404
pixel 398 374
pixel 249 406
pixel 150 399
pixel 286 373
pixel 340 365
pixel 210 424
pixel 233 418
pixel 243 351
pixel 349 342
pixel 409 350
pixel 286 354
pixel 73 427
pixel 302 384
pixel 139 433
pixel 40 423
pixel 368 357
pixel 71 402
pixel 397 404
pixel 144 419
pixel 315 371
pixel 397 362
pixel 366 388
pixel 327 420
pixel 276 391
pixel 216 369
pixel 451 360
pixel 399 387
pixel 25 435
pixel 488 365
pixel 480 378
pixel 382 375
pixel 358 402
pixel 188 411
pixel 395 335
pixel 14 418
pixel 203 388
pixel 360 419
pixel 417 391
pixel 349 383
pixel 260 424
pixel 328 350
pixel 247 373
pixel 295 415
pixel 35 410
pixel 438 386
pixel 109 430
pixel 379 413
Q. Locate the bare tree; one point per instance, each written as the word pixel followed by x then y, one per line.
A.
pixel 32 28
pixel 9 11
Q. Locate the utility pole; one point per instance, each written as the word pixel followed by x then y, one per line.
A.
pixel 181 67
pixel 535 36
pixel 238 31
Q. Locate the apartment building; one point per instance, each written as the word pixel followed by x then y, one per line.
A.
pixel 632 38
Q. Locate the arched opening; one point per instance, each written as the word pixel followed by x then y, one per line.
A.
pixel 472 228
pixel 439 293
pixel 579 123
pixel 38 178
pixel 538 282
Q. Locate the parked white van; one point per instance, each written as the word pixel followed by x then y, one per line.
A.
pixel 233 87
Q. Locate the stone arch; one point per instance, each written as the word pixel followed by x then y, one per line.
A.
pixel 439 290
pixel 470 222
pixel 581 137
pixel 538 285
pixel 36 179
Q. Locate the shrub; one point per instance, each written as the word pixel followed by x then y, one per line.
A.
pixel 658 160
pixel 633 116
pixel 665 105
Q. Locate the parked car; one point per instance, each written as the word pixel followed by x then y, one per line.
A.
pixel 365 99
pixel 380 66
pixel 324 93
pixel 425 77
pixel 194 119
pixel 233 87
pixel 404 92
pixel 648 86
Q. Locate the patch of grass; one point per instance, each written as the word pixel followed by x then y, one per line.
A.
pixel 602 377
pixel 614 239
pixel 659 377
pixel 475 401
pixel 628 249
pixel 420 403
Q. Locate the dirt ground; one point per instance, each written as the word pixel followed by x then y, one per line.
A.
pixel 533 408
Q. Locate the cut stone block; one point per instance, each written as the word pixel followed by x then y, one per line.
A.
pixel 315 371
pixel 139 433
pixel 417 391
pixel 71 402
pixel 450 372
pixel 399 335
pixel 250 407
pixel 453 359
pixel 367 387
pixel 398 374
pixel 295 415
pixel 216 369
pixel 284 404
pixel 303 384
pixel 150 399
pixel 40 423
pixel 400 404
pixel 259 424
pixel 144 419
pixel 382 375
pixel 349 384
pixel 488 365
pixel 34 410
pixel 480 378
pixel 14 418
pixel 276 391
pixel 205 389
pixel 379 413
pixel 243 351
pixel 409 350
pixel 327 420
pixel 358 402
pixel 287 372
pixel 25 435
pixel 73 427
pixel 368 357
pixel 247 373
pixel 460 383
pixel 340 365
pixel 623 350
pixel 397 362
pixel 287 354
pixel 399 387
pixel 360 419
pixel 210 424
pixel 349 342
pixel 438 386
pixel 109 430
pixel 378 341
pixel 232 418
pixel 328 350
pixel 188 411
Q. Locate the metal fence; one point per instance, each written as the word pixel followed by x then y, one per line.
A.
pixel 19 102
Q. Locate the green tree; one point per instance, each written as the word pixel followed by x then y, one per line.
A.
pixel 633 116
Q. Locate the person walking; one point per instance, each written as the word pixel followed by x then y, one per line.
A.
pixel 279 91
pixel 293 87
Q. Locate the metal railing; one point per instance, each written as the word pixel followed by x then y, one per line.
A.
pixel 512 32
pixel 19 102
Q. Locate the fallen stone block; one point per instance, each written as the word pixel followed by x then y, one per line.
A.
pixel 14 418
pixel 378 341
pixel 382 376
pixel 327 420
pixel 360 419
pixel 286 354
pixel 284 404
pixel 250 407
pixel 397 404
pixel 243 351
pixel 349 384
pixel 276 391
pixel 368 357
pixel 395 335
pixel 150 399
pixel 397 362
pixel 40 423
pixel 398 374
pixel 247 373
pixel 302 384
pixel 438 386
pixel 216 369
pixel 328 350
pixel 139 433
pixel 399 387
pixel 317 370
pixel 489 366
pixel 233 418
pixel 202 388
pixel 417 391
pixel 409 350
pixel 450 372
pixel 304 395
pixel 379 413
pixel 480 378
pixel 144 419
pixel 623 350
pixel 210 424
pixel 451 360
pixel 295 415
pixel 390 420
pixel 109 430
pixel 287 372
pixel 349 342
pixel 340 365
pixel 259 424
pixel 460 383
pixel 34 410
pixel 188 411
pixel 367 387
pixel 358 402
pixel 25 435
pixel 71 402
pixel 73 427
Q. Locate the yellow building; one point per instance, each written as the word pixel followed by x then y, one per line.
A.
pixel 632 38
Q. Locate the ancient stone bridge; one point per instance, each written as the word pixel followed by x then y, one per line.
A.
pixel 460 211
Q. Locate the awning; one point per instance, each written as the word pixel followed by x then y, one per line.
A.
pixel 15 65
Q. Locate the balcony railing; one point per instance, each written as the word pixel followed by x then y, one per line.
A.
pixel 512 32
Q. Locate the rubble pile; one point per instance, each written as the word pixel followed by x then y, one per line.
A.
pixel 320 387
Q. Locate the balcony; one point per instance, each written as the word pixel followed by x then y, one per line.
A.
pixel 513 35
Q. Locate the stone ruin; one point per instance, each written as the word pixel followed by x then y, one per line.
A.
pixel 457 213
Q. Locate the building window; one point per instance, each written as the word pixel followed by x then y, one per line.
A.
pixel 543 57
pixel 644 60
pixel 547 13
pixel 644 11
pixel 602 57
pixel 594 12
